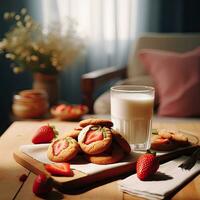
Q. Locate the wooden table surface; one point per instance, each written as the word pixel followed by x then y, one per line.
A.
pixel 21 133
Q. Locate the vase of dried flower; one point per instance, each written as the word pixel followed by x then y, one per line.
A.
pixel 49 84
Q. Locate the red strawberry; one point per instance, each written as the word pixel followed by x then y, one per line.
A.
pixel 60 169
pixel 42 185
pixel 146 165
pixel 44 134
pixel 59 145
pixel 93 136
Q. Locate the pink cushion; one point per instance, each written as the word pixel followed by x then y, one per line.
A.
pixel 177 80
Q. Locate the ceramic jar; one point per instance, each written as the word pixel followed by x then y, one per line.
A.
pixel 30 104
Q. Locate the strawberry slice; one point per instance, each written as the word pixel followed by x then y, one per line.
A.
pixel 93 136
pixel 58 146
pixel 162 140
pixel 59 169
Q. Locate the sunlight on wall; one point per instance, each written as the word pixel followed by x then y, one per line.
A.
pixel 110 19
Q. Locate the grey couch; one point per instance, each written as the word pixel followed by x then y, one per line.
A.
pixel 134 72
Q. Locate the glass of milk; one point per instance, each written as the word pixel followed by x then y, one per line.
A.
pixel 131 113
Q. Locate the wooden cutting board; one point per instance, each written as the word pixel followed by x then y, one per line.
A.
pixel 79 179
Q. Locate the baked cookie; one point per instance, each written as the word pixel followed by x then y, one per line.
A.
pixel 121 141
pixel 174 135
pixel 181 139
pixel 163 144
pixel 168 139
pixel 94 139
pixel 112 155
pixel 93 121
pixel 78 128
pixel 63 149
pixel 165 133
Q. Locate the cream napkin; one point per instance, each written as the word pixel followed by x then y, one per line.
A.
pixel 39 152
pixel 168 178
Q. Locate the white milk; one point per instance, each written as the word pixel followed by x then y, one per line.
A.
pixel 132 116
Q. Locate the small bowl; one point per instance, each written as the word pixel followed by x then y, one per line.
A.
pixel 69 112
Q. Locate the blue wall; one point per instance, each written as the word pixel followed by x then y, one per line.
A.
pixel 9 83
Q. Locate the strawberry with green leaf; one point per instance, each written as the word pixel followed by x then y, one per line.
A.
pixel 147 165
pixel 45 134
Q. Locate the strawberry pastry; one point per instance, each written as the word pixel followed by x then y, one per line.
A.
pixel 94 139
pixel 166 140
pixel 63 149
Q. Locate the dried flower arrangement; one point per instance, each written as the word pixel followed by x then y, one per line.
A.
pixel 30 48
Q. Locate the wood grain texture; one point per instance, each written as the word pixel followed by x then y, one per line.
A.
pixel 21 133
pixel 17 134
pixel 10 171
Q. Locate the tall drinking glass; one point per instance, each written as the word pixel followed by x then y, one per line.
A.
pixel 131 113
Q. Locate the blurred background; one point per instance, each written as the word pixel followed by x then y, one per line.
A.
pixel 108 28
